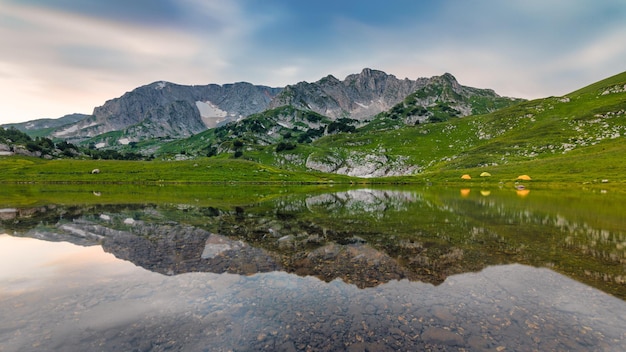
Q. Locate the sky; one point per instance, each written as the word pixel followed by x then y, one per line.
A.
pixel 68 56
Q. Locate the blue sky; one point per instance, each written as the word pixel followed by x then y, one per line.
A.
pixel 66 56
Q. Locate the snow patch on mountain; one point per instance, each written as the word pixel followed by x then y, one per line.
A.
pixel 211 114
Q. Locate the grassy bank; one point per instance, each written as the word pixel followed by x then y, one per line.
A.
pixel 600 166
pixel 203 170
pixel 201 195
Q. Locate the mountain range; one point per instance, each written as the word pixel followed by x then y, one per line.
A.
pixel 370 124
pixel 169 111
pixel 411 138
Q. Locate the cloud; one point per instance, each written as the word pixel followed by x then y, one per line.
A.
pixel 66 40
pixel 56 56
pixel 152 12
pixel 603 50
pixel 519 48
pixel 72 55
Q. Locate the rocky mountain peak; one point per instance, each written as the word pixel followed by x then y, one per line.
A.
pixel 449 80
pixel 330 79
pixel 369 79
pixel 368 72
pixel 449 77
pixel 365 94
pixel 358 96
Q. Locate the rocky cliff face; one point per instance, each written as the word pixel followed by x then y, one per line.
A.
pixel 178 118
pixel 358 96
pixel 364 95
pixel 166 109
pixel 371 164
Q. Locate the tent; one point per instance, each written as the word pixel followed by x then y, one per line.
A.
pixel 524 177
pixel 485 174
pixel 466 177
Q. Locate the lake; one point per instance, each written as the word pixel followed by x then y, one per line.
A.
pixel 311 268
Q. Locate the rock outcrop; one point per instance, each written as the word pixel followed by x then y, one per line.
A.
pixel 360 164
pixel 5 149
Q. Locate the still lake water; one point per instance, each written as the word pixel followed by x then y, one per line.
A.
pixel 326 270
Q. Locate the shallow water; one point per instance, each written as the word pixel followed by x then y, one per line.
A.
pixel 357 269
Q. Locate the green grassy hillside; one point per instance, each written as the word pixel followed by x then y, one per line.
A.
pixel 580 134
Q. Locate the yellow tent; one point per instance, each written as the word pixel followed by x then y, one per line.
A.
pixel 524 177
pixel 485 174
pixel 466 177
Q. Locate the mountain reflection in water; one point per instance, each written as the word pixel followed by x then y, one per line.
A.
pixel 364 237
pixel 65 298
pixel 374 269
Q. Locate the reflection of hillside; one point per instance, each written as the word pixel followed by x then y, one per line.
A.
pixel 561 232
pixel 579 234
pixel 247 245
pixel 362 236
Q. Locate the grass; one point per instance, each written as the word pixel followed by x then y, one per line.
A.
pixel 203 170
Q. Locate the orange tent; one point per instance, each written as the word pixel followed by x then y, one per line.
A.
pixel 524 177
pixel 466 177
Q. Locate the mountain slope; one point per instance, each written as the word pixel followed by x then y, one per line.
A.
pixel 280 128
pixel 593 117
pixel 441 99
pixel 547 127
pixel 165 109
pixel 286 126
pixel 42 127
pixel 361 96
